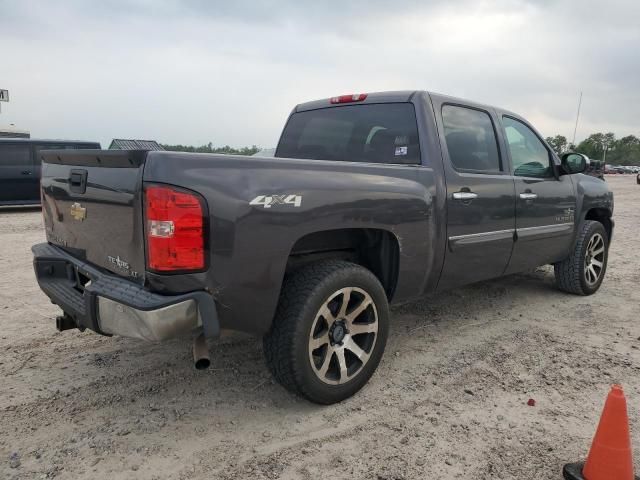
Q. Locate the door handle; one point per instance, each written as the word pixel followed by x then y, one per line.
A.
pixel 464 196
pixel 78 180
pixel 528 196
pixel 26 172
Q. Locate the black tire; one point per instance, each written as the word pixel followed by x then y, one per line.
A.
pixel 305 294
pixel 571 274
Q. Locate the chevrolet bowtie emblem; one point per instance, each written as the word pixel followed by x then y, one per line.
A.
pixel 78 212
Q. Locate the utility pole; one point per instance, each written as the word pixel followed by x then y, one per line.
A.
pixel 575 129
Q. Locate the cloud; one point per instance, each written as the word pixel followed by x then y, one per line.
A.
pixel 230 72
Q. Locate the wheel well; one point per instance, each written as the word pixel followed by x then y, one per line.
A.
pixel 601 215
pixel 374 249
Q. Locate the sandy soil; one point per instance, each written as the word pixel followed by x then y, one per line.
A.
pixel 448 401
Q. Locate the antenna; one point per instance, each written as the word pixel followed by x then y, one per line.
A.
pixel 575 129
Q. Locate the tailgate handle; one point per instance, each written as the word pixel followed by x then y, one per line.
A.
pixel 78 181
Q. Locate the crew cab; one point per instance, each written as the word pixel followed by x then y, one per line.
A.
pixel 371 199
pixel 20 167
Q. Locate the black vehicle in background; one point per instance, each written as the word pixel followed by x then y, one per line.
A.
pixel 20 167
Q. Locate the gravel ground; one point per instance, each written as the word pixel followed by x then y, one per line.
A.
pixel 449 399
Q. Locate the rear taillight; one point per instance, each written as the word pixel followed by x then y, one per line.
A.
pixel 355 97
pixel 174 222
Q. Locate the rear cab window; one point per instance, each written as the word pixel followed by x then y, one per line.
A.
pixel 372 133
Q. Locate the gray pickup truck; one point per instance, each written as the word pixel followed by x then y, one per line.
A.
pixel 370 199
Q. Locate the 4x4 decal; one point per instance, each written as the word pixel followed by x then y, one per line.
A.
pixel 268 201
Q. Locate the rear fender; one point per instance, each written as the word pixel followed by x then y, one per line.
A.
pixel 252 237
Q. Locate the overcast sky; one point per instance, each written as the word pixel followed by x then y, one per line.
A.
pixel 194 72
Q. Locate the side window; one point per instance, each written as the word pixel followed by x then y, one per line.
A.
pixel 529 156
pixel 15 156
pixel 471 139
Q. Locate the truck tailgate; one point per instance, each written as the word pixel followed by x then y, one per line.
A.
pixel 92 207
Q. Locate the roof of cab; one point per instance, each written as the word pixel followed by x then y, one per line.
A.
pixel 373 97
pixel 463 101
pixel 397 97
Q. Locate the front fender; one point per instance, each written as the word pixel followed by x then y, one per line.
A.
pixel 592 193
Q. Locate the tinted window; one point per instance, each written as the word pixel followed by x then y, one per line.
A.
pixel 15 155
pixel 471 139
pixel 529 156
pixel 377 133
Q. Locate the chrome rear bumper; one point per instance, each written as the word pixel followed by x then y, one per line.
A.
pixel 112 305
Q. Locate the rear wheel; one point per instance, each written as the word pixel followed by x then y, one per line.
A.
pixel 583 271
pixel 329 332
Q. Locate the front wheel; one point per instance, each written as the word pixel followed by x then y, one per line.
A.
pixel 583 271
pixel 329 332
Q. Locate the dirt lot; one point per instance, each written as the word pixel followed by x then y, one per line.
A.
pixel 448 401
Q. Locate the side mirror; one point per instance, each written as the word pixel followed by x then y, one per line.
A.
pixel 574 163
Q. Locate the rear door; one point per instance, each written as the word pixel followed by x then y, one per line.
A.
pixel 545 202
pixel 17 173
pixel 480 195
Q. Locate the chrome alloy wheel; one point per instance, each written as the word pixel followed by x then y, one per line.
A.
pixel 594 259
pixel 343 335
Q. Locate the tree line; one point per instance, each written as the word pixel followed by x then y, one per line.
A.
pixel 209 148
pixel 598 146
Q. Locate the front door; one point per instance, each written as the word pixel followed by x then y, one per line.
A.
pixel 480 197
pixel 17 174
pixel 545 202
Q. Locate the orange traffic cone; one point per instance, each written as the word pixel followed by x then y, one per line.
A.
pixel 610 455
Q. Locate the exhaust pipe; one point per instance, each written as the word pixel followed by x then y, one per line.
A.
pixel 201 358
pixel 65 322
